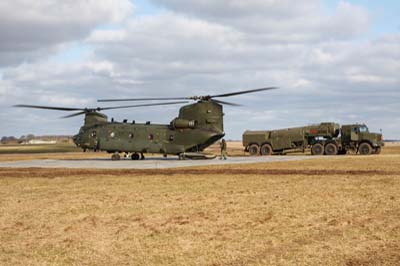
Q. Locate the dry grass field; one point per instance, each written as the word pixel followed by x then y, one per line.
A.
pixel 342 210
pixel 38 148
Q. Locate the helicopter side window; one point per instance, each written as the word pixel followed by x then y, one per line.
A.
pixel 94 134
pixel 131 135
pixel 112 135
pixel 171 137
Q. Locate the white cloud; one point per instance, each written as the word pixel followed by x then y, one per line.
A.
pixel 279 21
pixel 32 29
pixel 325 71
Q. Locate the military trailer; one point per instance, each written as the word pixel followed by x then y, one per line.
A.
pixel 322 139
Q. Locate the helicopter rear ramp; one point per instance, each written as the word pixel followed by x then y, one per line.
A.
pixel 149 163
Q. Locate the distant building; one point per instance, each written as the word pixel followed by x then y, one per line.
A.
pixel 40 141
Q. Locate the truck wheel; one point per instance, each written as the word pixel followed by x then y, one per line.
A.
pixel 317 149
pixel 135 156
pixel 115 157
pixel 365 148
pixel 331 149
pixel 266 149
pixel 378 150
pixel 254 150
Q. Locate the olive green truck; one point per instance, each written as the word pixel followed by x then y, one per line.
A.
pixel 321 139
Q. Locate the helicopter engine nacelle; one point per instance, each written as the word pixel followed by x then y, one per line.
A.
pixel 179 123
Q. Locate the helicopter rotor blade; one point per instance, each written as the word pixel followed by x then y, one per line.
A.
pixel 143 99
pixel 195 98
pixel 226 103
pixel 242 92
pixel 49 107
pixel 89 110
pixel 75 114
pixel 138 105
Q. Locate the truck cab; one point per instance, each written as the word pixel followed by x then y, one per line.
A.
pixel 357 137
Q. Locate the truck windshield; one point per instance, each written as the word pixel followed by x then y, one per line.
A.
pixel 363 129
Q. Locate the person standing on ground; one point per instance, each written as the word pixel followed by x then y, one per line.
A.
pixel 223 149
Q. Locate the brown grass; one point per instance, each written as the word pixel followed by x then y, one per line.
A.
pixel 343 210
pixel 41 152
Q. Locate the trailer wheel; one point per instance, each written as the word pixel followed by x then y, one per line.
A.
pixel 266 149
pixel 331 149
pixel 115 157
pixel 317 149
pixel 378 150
pixel 365 149
pixel 254 150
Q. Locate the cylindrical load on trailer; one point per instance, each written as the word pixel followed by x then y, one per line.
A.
pixel 325 130
pixel 293 134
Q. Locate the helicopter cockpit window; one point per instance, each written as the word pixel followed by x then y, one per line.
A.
pixel 131 135
pixel 94 134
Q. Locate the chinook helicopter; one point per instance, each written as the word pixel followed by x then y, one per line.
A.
pixel 197 126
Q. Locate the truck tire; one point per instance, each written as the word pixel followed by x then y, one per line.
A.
pixel 377 150
pixel 115 157
pixel 365 149
pixel 331 149
pixel 317 149
pixel 266 149
pixel 254 150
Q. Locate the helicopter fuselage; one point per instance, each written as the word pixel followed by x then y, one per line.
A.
pixel 198 126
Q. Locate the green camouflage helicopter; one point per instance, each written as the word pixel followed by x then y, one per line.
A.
pixel 197 126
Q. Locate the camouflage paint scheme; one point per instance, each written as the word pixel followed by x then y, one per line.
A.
pixel 198 126
pixel 324 138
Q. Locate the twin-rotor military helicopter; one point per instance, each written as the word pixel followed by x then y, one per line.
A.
pixel 197 126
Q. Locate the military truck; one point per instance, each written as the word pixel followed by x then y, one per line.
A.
pixel 326 138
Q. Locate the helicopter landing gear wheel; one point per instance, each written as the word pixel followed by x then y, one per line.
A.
pixel 182 156
pixel 115 157
pixel 142 156
pixel 254 150
pixel 135 156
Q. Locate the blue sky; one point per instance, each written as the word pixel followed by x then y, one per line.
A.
pixel 385 14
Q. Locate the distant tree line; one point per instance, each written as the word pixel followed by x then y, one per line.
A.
pixel 29 137
pixel 12 139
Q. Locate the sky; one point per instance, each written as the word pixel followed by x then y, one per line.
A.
pixel 332 60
